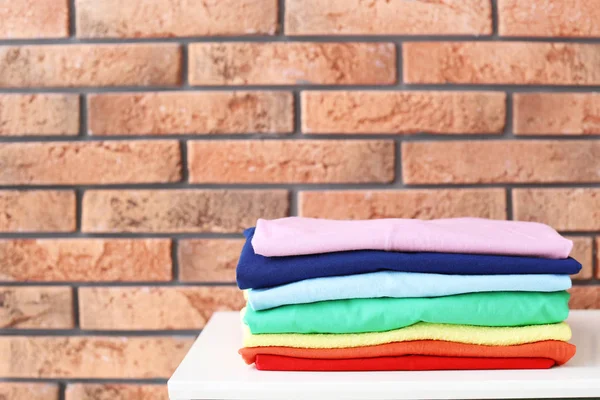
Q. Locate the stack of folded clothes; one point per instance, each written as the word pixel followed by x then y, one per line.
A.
pixel 402 294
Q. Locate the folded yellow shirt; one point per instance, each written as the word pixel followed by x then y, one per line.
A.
pixel 491 336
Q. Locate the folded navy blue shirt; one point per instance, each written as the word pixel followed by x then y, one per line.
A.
pixel 255 271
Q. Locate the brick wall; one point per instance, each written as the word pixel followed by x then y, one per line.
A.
pixel 140 137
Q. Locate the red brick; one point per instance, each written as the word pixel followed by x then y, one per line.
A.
pixel 525 63
pixel 506 161
pixel 223 211
pixel 165 113
pixel 115 391
pixel 547 18
pixel 36 307
pixel 585 297
pixel 90 162
pixel 168 18
pixel 96 357
pixel 292 63
pixel 85 260
pixel 564 209
pixel 28 391
pixel 556 113
pixel 34 19
pixel 208 260
pixel 297 161
pixel 146 64
pixel 403 112
pixel 21 211
pixel 582 252
pixel 39 114
pixel 357 17
pixel 423 204
pixel 146 308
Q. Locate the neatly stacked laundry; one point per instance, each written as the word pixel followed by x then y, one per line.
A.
pixel 401 294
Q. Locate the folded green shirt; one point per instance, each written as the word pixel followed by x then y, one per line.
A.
pixel 384 314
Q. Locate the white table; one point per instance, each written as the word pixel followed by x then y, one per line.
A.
pixel 213 370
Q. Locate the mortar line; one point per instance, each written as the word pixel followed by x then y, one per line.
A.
pixel 293 198
pixel 185 172
pixel 83 117
pixel 177 236
pixel 398 181
pixel 78 209
pixel 62 390
pixel 76 314
pixel 595 257
pixel 508 131
pixel 141 333
pixel 185 65
pixel 66 381
pixel 212 187
pixel 117 235
pixel 121 284
pixel 296 121
pixel 407 86
pixel 281 18
pixel 280 37
pixel 175 270
pixel 399 66
pixel 297 135
pixel 133 285
pixel 509 204
pixel 180 236
pixel 588 282
pixel 495 20
pixel 72 20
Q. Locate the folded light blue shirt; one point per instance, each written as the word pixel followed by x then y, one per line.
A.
pixel 400 284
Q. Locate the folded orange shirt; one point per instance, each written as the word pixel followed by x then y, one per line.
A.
pixel 556 350
pixel 268 362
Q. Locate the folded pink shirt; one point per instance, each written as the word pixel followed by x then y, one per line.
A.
pixel 297 236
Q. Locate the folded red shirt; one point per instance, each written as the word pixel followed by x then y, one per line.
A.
pixel 268 362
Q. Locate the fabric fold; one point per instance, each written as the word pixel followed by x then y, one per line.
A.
pixel 399 285
pixel 560 352
pixel 298 235
pixel 497 336
pixel 268 362
pixel 383 314
pixel 256 271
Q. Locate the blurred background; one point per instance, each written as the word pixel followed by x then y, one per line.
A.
pixel 140 137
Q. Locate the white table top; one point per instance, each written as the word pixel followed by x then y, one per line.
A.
pixel 214 370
